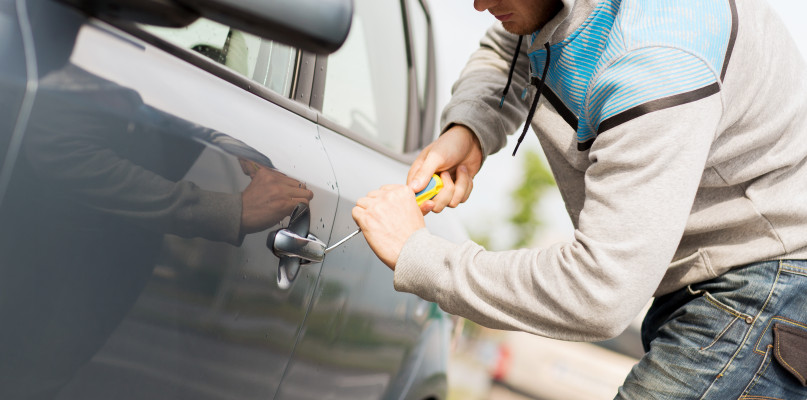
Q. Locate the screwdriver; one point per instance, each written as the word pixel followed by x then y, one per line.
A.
pixel 431 190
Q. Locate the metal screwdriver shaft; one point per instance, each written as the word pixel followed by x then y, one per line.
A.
pixel 343 240
pixel 434 186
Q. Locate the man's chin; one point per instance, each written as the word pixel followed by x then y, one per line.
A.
pixel 516 29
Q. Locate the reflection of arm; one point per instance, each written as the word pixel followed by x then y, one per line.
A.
pixel 476 95
pixel 75 145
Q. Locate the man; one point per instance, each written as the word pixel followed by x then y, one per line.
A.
pixel 677 133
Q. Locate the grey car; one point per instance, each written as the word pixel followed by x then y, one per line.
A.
pixel 171 175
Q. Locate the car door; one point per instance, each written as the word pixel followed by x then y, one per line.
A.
pixel 362 339
pixel 131 265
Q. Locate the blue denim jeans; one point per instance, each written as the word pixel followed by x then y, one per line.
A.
pixel 742 335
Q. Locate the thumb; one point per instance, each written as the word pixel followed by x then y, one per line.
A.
pixel 424 173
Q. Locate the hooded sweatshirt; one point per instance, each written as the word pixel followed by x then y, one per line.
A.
pixel 677 134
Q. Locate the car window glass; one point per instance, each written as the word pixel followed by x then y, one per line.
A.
pixel 366 81
pixel 264 61
pixel 419 29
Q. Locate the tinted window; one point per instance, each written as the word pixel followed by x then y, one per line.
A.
pixel 366 85
pixel 264 61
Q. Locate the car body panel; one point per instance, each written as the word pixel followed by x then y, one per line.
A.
pixel 122 271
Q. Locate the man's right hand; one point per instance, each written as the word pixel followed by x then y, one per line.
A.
pixel 457 154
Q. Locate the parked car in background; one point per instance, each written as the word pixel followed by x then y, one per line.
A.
pixel 169 180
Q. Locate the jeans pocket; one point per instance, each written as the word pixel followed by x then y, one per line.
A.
pixel 790 349
pixel 759 375
pixel 782 372
pixel 781 339
pixel 730 315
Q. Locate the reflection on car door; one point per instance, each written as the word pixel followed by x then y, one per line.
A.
pixel 125 272
pixel 363 340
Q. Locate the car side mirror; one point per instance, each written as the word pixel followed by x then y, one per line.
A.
pixel 319 26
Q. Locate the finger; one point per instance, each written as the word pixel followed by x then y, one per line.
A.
pixel 358 214
pixel 391 187
pixel 426 207
pixel 365 202
pixel 470 189
pixel 375 193
pixel 446 193
pixel 461 186
pixel 297 184
pixel 415 167
pixel 424 173
pixel 301 193
pixel 418 163
pixel 288 181
pixel 297 200
pixel 278 178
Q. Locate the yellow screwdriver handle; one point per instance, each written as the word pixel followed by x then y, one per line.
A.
pixel 434 186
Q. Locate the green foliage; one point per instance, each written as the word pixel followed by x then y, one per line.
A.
pixel 536 180
pixel 482 239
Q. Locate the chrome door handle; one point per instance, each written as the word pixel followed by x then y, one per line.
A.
pixel 289 244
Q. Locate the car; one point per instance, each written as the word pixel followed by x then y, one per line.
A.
pixel 172 174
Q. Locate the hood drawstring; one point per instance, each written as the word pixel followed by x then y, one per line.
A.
pixel 512 68
pixel 539 85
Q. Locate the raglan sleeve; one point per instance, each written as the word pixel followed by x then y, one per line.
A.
pixel 639 190
pixel 476 95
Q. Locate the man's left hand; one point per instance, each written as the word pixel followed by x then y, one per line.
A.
pixel 387 217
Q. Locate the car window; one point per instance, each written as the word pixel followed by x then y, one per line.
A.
pixel 269 63
pixel 419 29
pixel 366 83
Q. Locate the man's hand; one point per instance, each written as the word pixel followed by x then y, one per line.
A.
pixel 458 154
pixel 387 217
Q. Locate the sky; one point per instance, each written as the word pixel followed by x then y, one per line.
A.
pixel 457 28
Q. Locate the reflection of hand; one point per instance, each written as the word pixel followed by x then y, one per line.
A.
pixel 270 197
pixel 387 217
pixel 458 154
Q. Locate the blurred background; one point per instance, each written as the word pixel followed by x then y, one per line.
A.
pixel 515 203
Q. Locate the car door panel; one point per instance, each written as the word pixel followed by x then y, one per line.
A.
pixel 360 339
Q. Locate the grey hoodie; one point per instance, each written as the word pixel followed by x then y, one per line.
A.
pixel 678 144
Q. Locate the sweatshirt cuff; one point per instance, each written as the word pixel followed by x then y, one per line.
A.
pixel 218 217
pixel 422 268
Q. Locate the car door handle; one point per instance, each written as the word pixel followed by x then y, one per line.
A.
pixel 286 243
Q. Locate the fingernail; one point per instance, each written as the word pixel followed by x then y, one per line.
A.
pixel 463 169
pixel 415 184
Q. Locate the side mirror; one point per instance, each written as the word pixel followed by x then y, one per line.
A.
pixel 319 26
